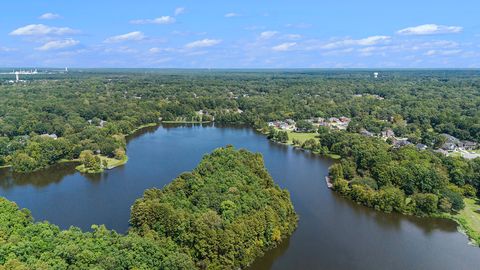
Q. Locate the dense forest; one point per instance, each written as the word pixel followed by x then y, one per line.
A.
pixel 93 110
pixel 222 215
pixel 404 179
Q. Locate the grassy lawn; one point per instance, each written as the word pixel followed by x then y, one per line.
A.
pixel 111 163
pixel 469 218
pixel 300 136
pixel 142 127
pixel 455 154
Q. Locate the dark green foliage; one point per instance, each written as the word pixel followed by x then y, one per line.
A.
pixel 277 135
pixel 304 126
pixel 455 199
pixel 364 181
pixel 29 245
pixel 418 105
pixel 224 213
pixel 368 165
pixel 426 203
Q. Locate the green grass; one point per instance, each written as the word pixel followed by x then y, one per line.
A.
pixel 470 215
pixel 468 219
pixel 111 163
pixel 455 154
pixel 142 127
pixel 302 137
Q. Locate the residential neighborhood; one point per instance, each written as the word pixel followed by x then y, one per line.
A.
pixel 340 123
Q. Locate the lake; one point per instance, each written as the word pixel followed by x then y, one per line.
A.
pixel 333 233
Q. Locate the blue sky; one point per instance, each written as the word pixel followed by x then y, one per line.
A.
pixel 241 34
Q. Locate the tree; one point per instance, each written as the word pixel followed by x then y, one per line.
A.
pixel 426 203
pixel 304 126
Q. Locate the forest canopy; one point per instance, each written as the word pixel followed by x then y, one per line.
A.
pixel 222 215
pixel 90 110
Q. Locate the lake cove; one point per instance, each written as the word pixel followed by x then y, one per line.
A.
pixel 332 233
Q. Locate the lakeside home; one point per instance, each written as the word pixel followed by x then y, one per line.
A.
pixel 332 122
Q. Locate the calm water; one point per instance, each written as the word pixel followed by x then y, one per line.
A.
pixel 333 233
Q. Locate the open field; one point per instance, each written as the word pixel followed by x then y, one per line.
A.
pixel 111 163
pixel 300 136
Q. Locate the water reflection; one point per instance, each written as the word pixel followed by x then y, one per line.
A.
pixel 333 232
pixel 38 179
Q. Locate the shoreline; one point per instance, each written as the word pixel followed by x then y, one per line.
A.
pixel 463 224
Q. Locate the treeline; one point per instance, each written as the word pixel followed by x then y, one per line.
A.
pixel 417 105
pixel 222 215
pixel 404 180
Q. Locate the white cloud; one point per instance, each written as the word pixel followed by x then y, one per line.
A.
pixel 442 52
pixel 231 15
pixel 41 30
pixel 293 36
pixel 122 49
pixel 158 50
pixel 202 43
pixel 430 29
pixel 155 50
pixel 58 44
pixel 132 36
pixel 7 49
pixel 159 20
pixel 368 41
pixel 179 10
pixel 298 25
pixel 49 16
pixel 284 46
pixel 268 34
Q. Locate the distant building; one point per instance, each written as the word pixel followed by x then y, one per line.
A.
pixel 448 146
pixel 366 133
pixel 375 75
pixel 421 146
pixel 388 133
pixel 401 142
pixel 450 139
pixel 52 136
pixel 468 145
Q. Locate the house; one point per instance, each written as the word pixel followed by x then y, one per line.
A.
pixel 366 133
pixel 333 120
pixel 448 146
pixel 344 119
pixel 51 136
pixel 450 139
pixel 468 145
pixel 290 121
pixel 284 126
pixel 401 142
pixel 318 120
pixel 421 146
pixel 388 133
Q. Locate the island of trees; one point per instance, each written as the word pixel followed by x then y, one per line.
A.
pixel 222 215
